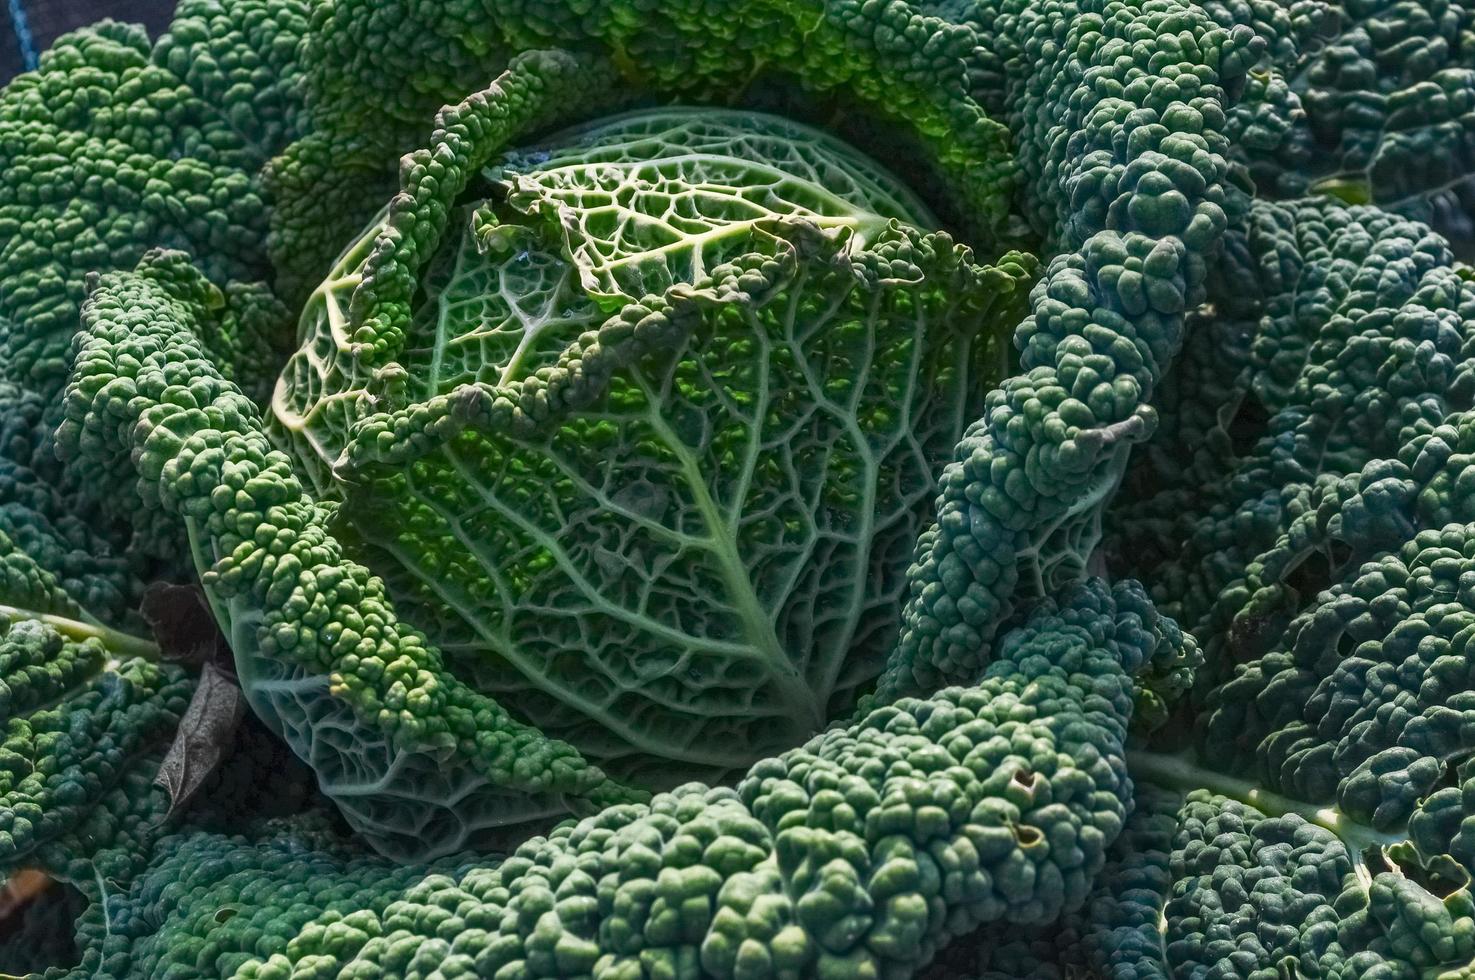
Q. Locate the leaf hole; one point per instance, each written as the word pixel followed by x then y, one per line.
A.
pixel 1454 772
pixel 1250 422
pixel 1439 875
pixel 1027 836
pixel 1309 575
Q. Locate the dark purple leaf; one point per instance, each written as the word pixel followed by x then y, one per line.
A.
pixel 184 626
pixel 205 736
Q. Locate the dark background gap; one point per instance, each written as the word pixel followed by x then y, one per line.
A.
pixel 49 19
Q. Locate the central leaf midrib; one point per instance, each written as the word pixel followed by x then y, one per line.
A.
pixel 756 622
pixel 118 643
pixel 1183 771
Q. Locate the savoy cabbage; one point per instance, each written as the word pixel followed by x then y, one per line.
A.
pixel 583 435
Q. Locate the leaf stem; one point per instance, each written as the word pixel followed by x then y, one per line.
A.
pixel 1182 771
pixel 119 643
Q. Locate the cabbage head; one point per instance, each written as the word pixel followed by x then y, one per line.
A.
pixel 650 459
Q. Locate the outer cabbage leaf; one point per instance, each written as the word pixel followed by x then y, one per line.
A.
pixel 1340 335
pixel 859 853
pixel 1372 102
pixel 1327 557
pixel 112 147
pixel 85 711
pixel 1233 881
pixel 1118 110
